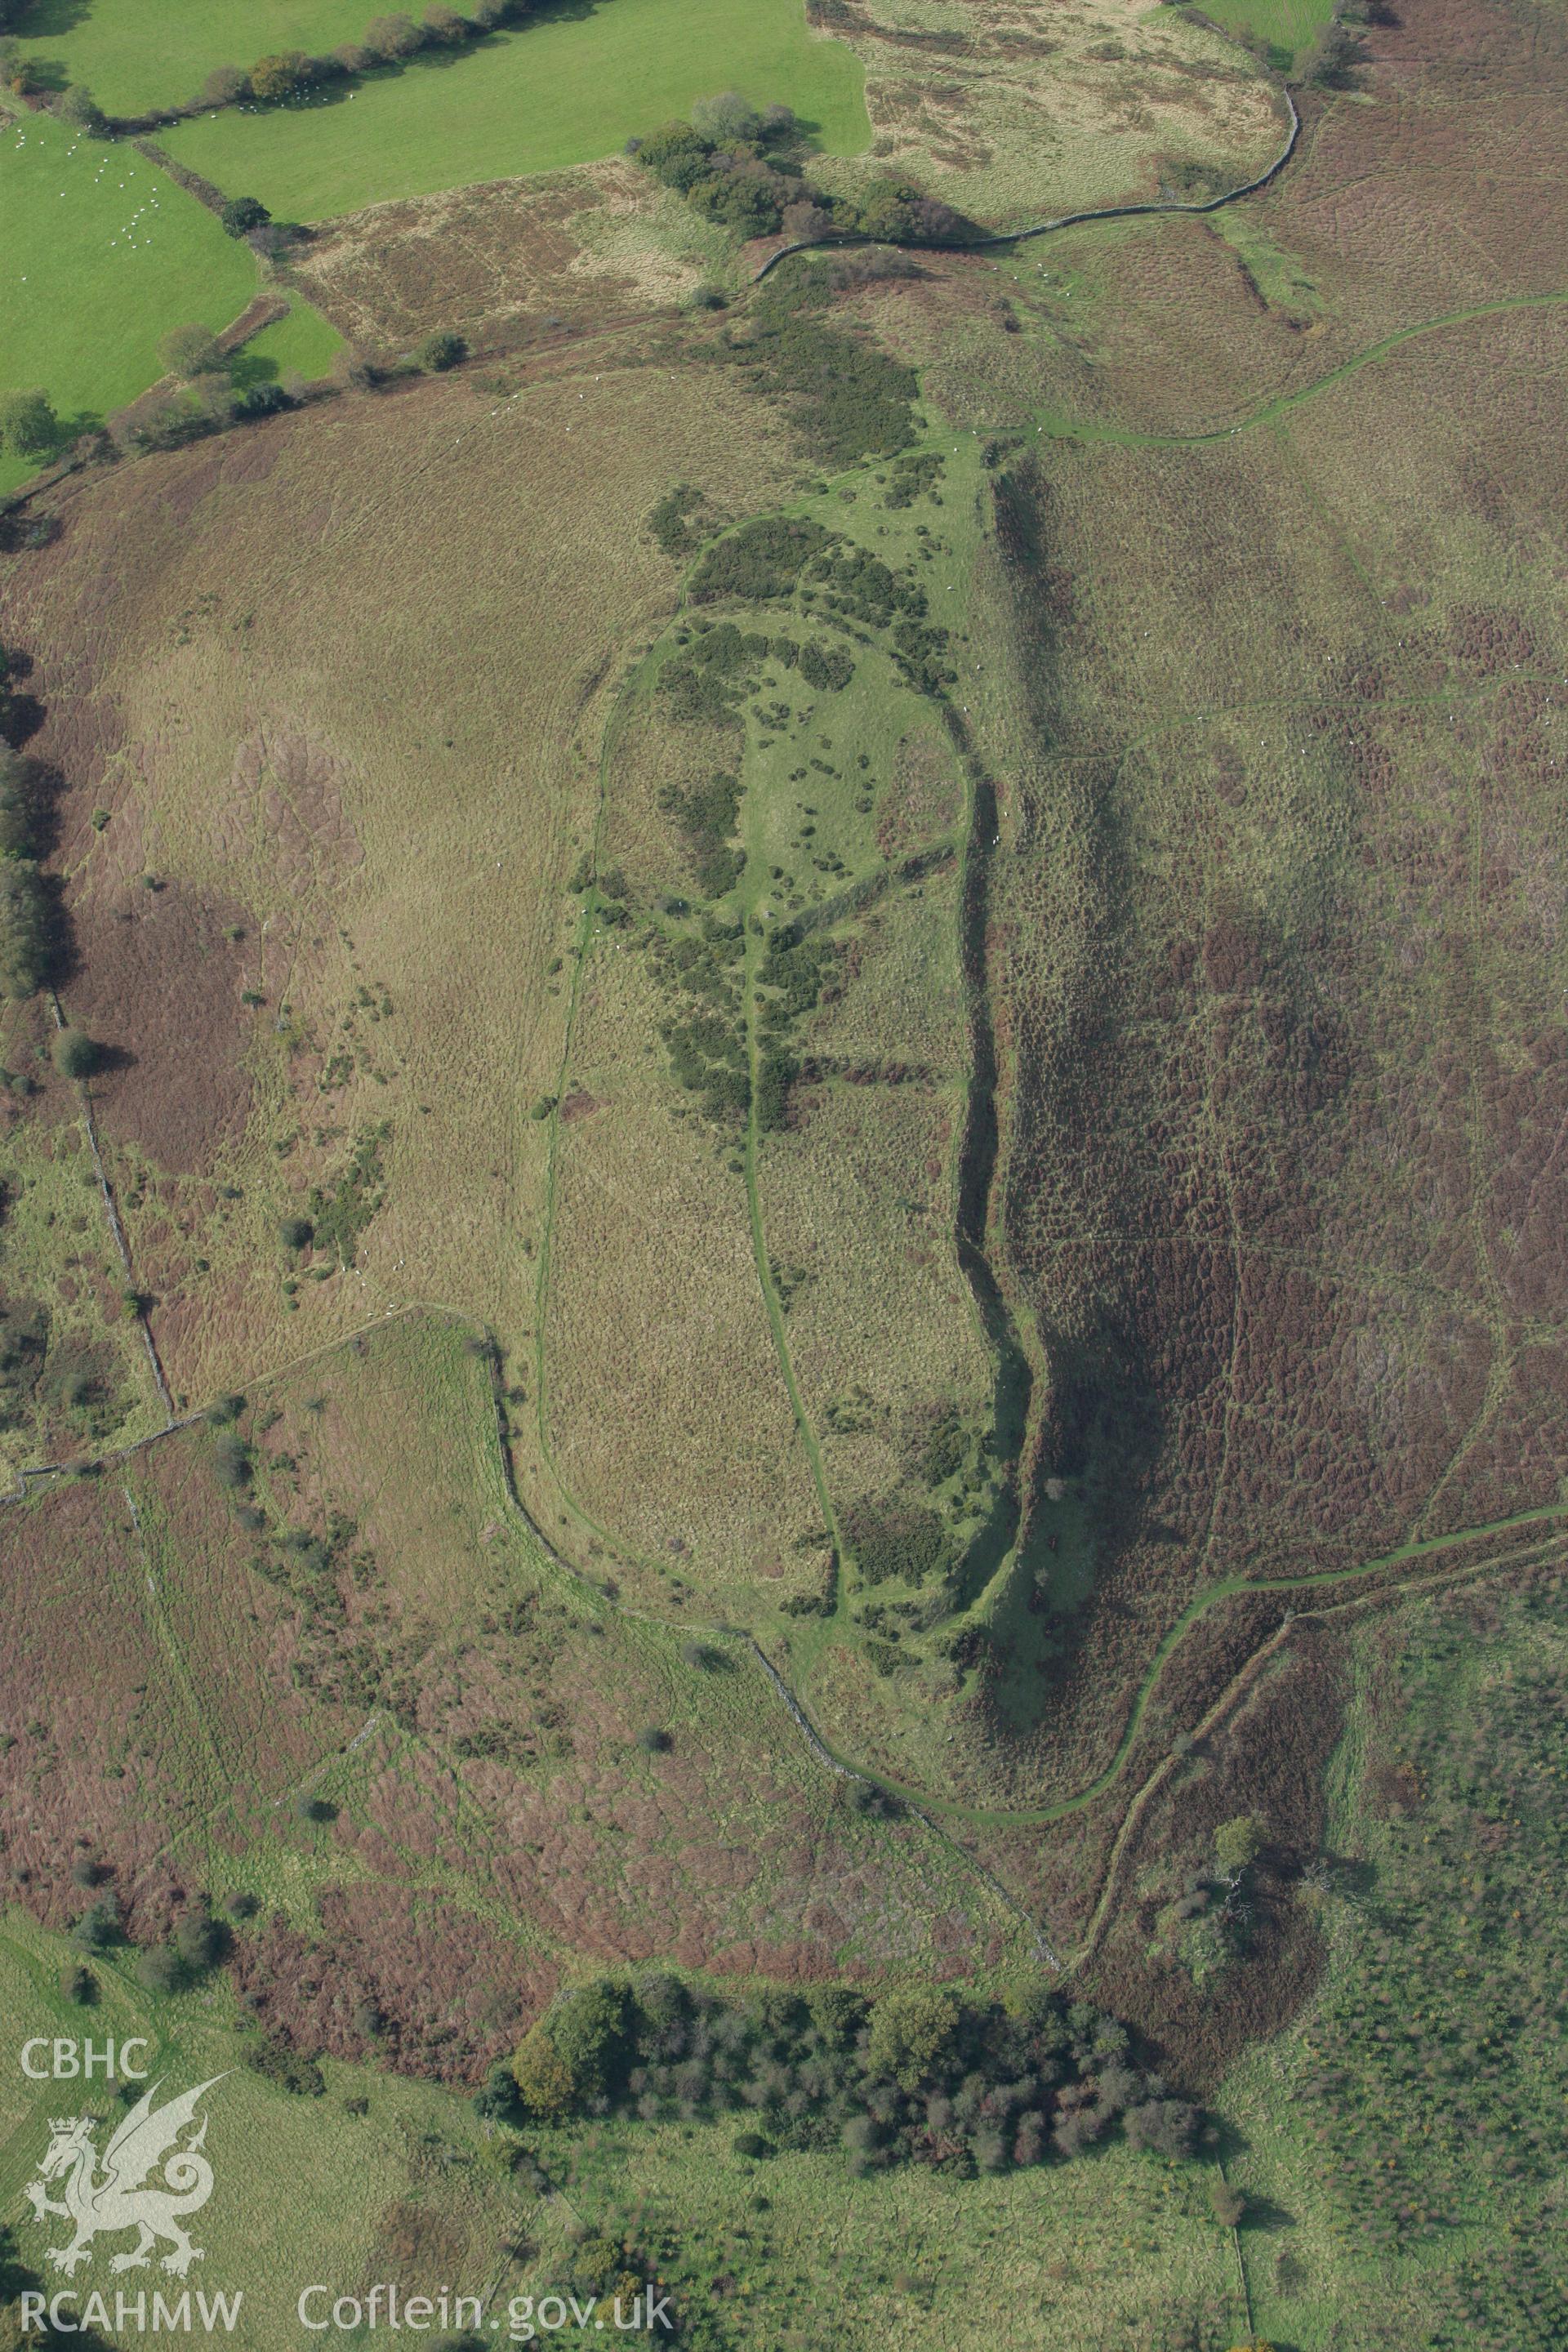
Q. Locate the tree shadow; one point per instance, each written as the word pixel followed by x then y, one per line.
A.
pixel 45 19
pixel 21 531
pixel 1262 2214
pixel 62 958
pixel 23 715
pixel 44 786
pixel 248 369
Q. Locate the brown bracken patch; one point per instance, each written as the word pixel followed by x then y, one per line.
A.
pixel 159 984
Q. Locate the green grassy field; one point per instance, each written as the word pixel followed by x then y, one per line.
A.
pixel 303 343
pixel 101 253
pixel 798 2251
pixel 1292 24
pixel 555 93
pixel 119 49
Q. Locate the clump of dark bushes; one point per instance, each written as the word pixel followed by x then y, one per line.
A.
pixel 762 559
pixel 743 168
pixel 915 2076
pixel 707 816
pixel 847 396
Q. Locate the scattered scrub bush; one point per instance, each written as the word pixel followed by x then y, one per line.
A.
pixel 74 1054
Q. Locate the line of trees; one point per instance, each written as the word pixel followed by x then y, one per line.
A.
pixel 28 905
pixel 281 77
pixel 915 2075
pixel 389 40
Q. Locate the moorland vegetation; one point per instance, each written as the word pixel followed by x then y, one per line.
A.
pixel 1255 949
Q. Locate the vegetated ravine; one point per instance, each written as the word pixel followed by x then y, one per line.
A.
pixel 1013 1380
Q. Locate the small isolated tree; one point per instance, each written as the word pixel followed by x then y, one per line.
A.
pixel 190 351
pixel 242 214
pixel 1228 2203
pixel 441 351
pixel 75 1053
pixel 161 1969
pixel 296 1232
pixel 392 37
pixel 80 1985
pixel 28 426
pixel 99 1926
pixel 1237 1844
pixel 316 1808
pixel 200 1940
pixel 231 1460
pixel 242 1904
pixel 652 1740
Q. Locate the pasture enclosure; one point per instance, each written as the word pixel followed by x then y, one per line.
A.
pixel 563 90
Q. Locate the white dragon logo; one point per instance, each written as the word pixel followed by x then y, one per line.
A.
pixel 121 2196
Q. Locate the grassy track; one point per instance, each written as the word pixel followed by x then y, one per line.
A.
pixel 582 947
pixel 750 893
pixel 1054 425
pixel 101 253
pixel 560 91
pixel 1229 1588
